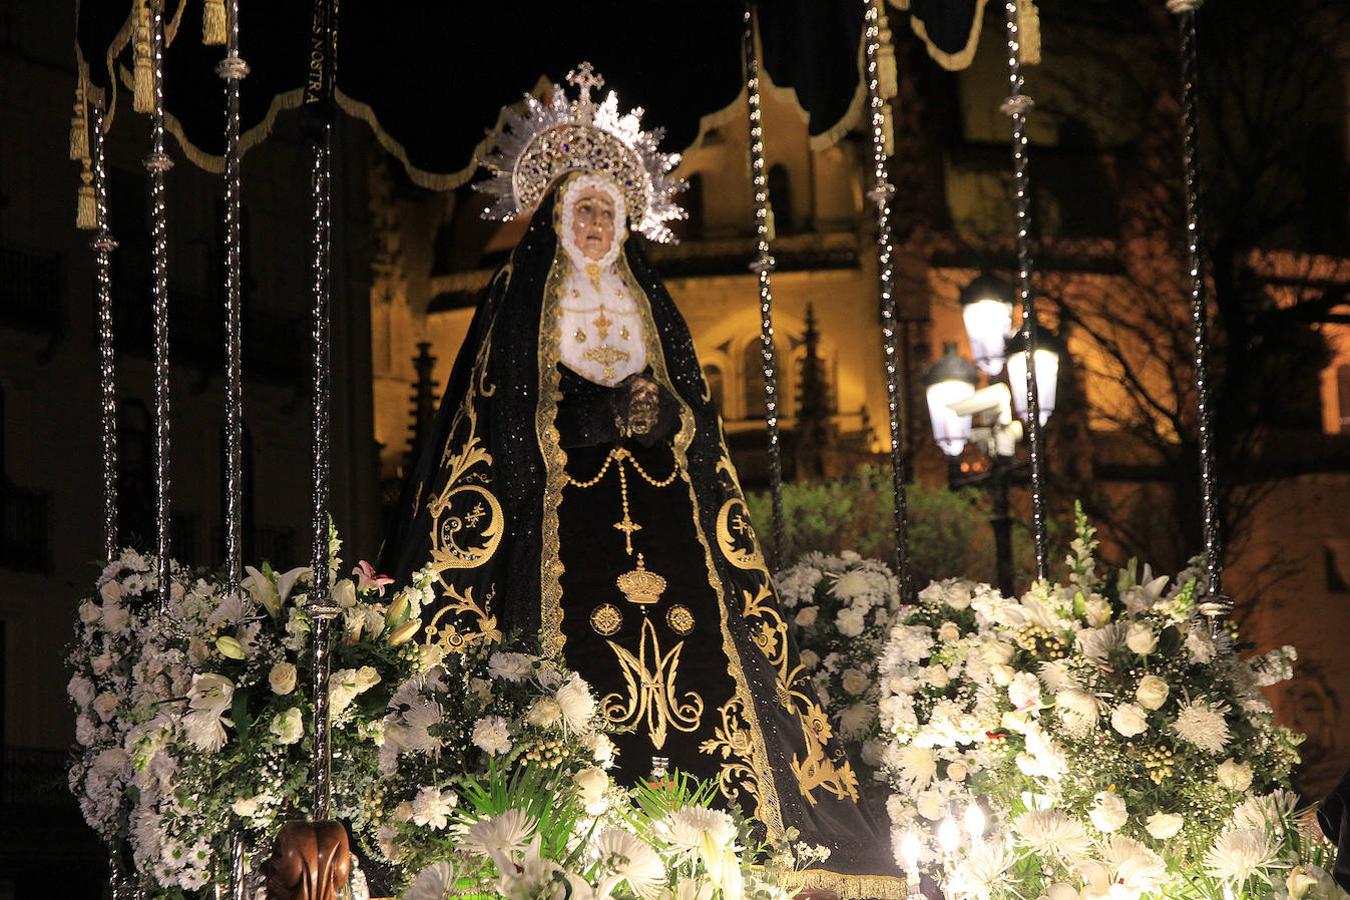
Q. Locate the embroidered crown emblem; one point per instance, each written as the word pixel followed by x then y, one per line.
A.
pixel 641 586
pixel 561 135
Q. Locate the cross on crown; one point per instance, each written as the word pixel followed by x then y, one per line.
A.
pixel 585 80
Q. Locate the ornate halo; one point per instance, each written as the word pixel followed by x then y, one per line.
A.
pixel 563 135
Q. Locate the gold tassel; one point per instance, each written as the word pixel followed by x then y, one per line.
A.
pixel 143 92
pixel 86 216
pixel 1029 26
pixel 213 22
pixel 79 124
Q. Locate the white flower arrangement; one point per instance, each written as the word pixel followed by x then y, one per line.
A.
pixel 840 613
pixel 197 723
pixel 1109 737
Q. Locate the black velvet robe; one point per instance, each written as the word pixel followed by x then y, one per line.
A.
pixel 500 501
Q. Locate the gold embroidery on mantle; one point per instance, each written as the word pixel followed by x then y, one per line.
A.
pixel 652 695
pixel 466 522
pixel 444 631
pixel 731 741
pixel 814 769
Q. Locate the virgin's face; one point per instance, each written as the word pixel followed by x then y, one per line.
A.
pixel 593 222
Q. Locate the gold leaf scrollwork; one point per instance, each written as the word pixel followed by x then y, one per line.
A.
pixel 444 628
pixel 652 695
pixel 815 769
pixel 732 741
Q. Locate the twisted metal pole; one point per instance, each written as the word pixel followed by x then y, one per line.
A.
pixel 1217 602
pixel 880 195
pixel 157 165
pixel 319 104
pixel 103 245
pixel 763 265
pixel 232 69
pixel 1017 106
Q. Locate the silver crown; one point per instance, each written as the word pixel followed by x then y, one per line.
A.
pixel 530 151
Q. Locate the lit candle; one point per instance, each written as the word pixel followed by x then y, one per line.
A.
pixel 975 822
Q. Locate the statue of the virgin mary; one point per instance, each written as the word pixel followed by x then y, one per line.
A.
pixel 577 487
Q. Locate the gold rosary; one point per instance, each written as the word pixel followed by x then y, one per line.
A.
pixel 621 455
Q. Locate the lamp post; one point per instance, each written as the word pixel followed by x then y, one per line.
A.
pixel 961 414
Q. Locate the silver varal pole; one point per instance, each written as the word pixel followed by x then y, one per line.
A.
pixel 1017 106
pixel 319 107
pixel 1216 602
pixel 232 69
pixel 763 266
pixel 880 195
pixel 157 165
pixel 103 246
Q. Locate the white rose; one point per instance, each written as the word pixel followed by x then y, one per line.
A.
pixel 1109 813
pixel 247 807
pixel 1097 611
pixel 1152 692
pixel 1061 891
pixel 1236 776
pixel 89 612
pixel 902 684
pixel 366 678
pixel 1129 719
pixel 937 676
pixel 957 770
pixel 115 618
pixel 806 616
pixel 344 593
pixel 288 727
pixel 591 786
pixel 998 653
pixel 1162 826
pixel 930 805
pixel 81 690
pixel 810 659
pixel 601 749
pixel 1002 675
pixel 851 621
pixel 105 704
pixel 949 631
pixel 282 678
pixel 111 591
pixel 1141 639
pixel 855 682
pixel 957 597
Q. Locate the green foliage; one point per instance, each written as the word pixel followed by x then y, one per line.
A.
pixel 949 532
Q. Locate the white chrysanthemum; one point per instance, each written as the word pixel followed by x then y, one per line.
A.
pixel 915 767
pixel 632 859
pixel 506 833
pixel 577 703
pixel 1202 725
pixel 1240 853
pixel 980 871
pixel 435 882
pixel 695 828
pixel 1271 812
pixel 1052 832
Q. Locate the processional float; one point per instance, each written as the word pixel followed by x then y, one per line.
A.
pixel 837 59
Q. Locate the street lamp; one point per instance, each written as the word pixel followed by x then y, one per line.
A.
pixel 1049 351
pixel 987 310
pixel 950 380
pixel 961 414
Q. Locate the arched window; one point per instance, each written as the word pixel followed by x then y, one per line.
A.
pixel 780 197
pixel 713 374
